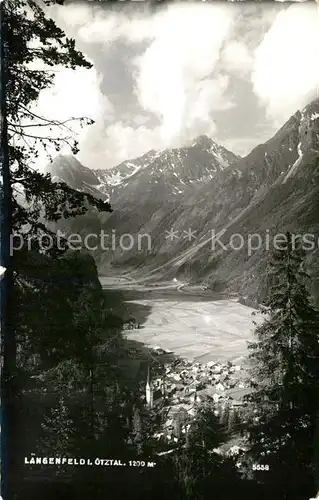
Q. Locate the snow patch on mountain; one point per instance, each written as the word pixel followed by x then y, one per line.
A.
pixel 118 175
pixel 222 161
pixel 294 167
pixel 56 178
pixel 115 179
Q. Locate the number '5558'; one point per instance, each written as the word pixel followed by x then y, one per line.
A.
pixel 260 467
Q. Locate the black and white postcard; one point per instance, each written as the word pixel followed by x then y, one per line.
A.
pixel 159 250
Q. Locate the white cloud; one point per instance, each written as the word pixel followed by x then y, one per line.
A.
pixel 73 15
pixel 95 24
pixel 180 76
pixel 286 70
pixel 205 96
pixel 103 148
pixel 74 94
pixel 174 77
pixel 235 58
pixel 173 71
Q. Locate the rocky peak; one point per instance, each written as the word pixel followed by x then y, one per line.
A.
pixel 203 141
pixel 309 127
pixel 66 168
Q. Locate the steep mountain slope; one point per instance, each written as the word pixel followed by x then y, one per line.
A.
pixel 69 170
pixel 143 191
pixel 122 172
pixel 204 189
pixel 149 200
pixel 274 188
pixel 165 174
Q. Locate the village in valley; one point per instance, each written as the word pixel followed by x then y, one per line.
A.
pixel 187 386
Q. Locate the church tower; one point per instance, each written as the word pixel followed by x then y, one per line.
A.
pixel 149 389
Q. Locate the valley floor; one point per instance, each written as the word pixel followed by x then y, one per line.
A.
pixel 189 324
pixel 197 331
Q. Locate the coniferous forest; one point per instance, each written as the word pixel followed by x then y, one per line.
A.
pixel 72 384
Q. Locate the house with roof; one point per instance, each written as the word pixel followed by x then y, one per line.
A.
pixel 219 387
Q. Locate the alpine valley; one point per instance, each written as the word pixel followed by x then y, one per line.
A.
pixel 181 197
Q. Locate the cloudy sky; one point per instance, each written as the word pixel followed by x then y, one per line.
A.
pixel 233 71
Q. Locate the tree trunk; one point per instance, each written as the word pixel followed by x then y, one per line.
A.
pixel 91 404
pixel 316 456
pixel 9 390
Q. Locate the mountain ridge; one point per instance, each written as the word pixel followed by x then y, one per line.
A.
pixel 191 164
pixel 204 187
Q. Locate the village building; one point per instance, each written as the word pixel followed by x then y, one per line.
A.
pixel 149 390
pixel 185 387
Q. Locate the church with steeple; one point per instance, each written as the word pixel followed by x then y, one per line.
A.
pixel 149 390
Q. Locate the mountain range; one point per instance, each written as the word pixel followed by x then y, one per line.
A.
pixel 182 197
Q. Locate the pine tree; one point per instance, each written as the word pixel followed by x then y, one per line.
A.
pixel 58 428
pixel 137 430
pixel 28 36
pixel 199 468
pixel 284 376
pixel 24 24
